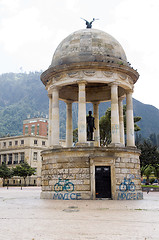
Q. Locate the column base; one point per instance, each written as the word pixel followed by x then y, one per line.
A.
pixel 116 145
pixel 78 144
pixel 131 147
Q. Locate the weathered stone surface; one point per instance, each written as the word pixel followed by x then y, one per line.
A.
pixel 78 167
pixel 83 187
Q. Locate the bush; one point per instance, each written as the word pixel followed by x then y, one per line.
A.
pixel 152 180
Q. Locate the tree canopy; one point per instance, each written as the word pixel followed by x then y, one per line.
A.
pixel 149 159
pixel 149 154
pixel 23 170
pixel 5 172
pixel 105 125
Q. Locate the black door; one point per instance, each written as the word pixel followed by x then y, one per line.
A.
pixel 103 182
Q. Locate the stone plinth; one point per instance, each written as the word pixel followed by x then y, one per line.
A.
pixel 69 173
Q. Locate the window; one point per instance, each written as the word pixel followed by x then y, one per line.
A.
pixel 13 181
pixel 38 129
pixel 10 143
pixel 22 142
pixel 4 158
pixel 35 141
pixel 4 144
pixel 15 158
pixel 16 143
pixel 26 129
pixel 33 130
pixel 35 156
pixel 43 143
pixel 22 156
pixel 10 158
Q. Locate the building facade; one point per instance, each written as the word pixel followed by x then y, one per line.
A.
pixel 17 149
pixel 35 126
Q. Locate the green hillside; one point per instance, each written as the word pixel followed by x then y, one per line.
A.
pixel 24 94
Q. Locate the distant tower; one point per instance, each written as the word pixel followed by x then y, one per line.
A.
pixel 91 66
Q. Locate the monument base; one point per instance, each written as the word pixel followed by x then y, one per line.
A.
pixel 78 173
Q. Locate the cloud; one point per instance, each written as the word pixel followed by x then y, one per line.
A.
pixel 22 28
pixel 31 30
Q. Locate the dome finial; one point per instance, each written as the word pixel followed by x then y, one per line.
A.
pixel 89 24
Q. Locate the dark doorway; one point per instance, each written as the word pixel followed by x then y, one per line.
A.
pixel 103 181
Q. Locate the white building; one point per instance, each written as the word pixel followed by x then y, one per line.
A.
pixel 17 149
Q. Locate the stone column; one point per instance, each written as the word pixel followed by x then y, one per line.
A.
pixel 69 131
pixel 7 159
pixel 121 121
pixel 55 117
pixel 96 120
pixel 115 133
pixel 50 120
pixel 82 135
pixel 129 120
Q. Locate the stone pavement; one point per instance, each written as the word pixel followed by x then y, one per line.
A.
pixel 24 216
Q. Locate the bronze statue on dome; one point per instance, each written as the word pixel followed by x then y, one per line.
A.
pixel 89 24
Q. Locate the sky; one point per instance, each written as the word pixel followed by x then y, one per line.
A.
pixel 30 31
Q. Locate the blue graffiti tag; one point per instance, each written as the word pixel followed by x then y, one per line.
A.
pixel 67 196
pixel 129 196
pixel 127 185
pixel 115 128
pixel 64 185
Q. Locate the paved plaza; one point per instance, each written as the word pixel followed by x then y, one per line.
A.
pixel 24 216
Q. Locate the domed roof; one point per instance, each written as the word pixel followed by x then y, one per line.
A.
pixel 89 45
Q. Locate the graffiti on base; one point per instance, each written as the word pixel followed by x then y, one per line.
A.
pixel 129 196
pixel 115 128
pixel 127 188
pixel 65 185
pixel 127 185
pixel 67 196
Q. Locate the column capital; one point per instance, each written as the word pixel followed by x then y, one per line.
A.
pixel 115 83
pixel 95 102
pixel 50 95
pixel 54 88
pixel 129 91
pixel 122 98
pixel 68 101
pixel 81 82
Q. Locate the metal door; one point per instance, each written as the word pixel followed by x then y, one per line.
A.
pixel 103 181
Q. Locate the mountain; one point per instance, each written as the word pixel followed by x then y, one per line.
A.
pixel 23 94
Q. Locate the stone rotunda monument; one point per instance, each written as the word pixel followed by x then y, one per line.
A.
pixel 90 66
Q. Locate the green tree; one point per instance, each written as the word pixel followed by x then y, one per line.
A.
pixel 153 139
pixel 75 135
pixel 105 125
pixel 105 128
pixel 5 172
pixel 148 170
pixel 149 154
pixel 23 170
pixel 156 171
